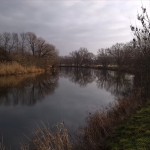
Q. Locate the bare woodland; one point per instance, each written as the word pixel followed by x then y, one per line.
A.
pixel 27 49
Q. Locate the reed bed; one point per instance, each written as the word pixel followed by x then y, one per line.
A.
pixel 45 139
pixel 2 146
pixel 15 68
pixel 101 124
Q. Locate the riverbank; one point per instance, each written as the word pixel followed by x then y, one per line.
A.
pixel 101 125
pixel 103 130
pixel 134 133
pixel 15 68
pixel 100 67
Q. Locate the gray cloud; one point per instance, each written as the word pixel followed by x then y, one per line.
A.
pixel 71 24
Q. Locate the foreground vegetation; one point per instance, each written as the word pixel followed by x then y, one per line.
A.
pixel 101 124
pixel 134 133
pixel 45 139
pixel 99 132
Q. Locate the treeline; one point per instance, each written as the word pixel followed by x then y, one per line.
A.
pixel 113 56
pixel 27 49
pixel 134 55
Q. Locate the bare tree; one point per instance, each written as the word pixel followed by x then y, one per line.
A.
pixel 32 39
pixel 1 40
pixel 23 38
pixel 90 59
pixel 44 49
pixel 41 45
pixel 103 57
pixel 81 57
pixel 66 61
pixel 6 38
pixel 28 49
pixel 15 42
pixel 142 40
pixel 75 57
pixel 117 52
pixel 129 55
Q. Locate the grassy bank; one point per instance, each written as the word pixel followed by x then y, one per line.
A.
pixel 100 126
pixel 134 133
pixel 15 68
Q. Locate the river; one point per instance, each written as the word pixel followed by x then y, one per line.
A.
pixel 67 95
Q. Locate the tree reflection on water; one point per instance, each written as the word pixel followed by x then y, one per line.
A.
pixel 79 76
pixel 26 90
pixel 117 83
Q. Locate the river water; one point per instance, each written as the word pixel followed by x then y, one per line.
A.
pixel 67 95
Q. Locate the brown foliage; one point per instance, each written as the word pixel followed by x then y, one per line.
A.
pixel 101 124
pixel 45 139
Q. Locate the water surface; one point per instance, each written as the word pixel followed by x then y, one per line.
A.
pixel 65 96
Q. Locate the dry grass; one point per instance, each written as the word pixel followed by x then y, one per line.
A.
pixel 2 146
pixel 14 69
pixel 101 124
pixel 45 139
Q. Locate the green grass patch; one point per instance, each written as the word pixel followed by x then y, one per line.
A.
pixel 134 134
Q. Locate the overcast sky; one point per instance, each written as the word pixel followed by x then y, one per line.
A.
pixel 71 24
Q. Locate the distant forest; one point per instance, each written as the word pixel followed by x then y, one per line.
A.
pixel 27 49
pixel 134 55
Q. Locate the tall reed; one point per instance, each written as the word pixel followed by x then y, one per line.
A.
pixel 45 139
pixel 14 68
pixel 101 124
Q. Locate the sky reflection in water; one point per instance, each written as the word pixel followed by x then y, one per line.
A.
pixel 66 96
